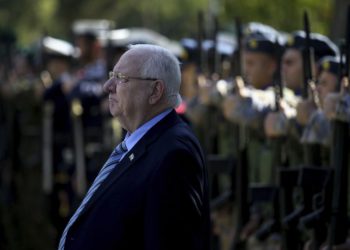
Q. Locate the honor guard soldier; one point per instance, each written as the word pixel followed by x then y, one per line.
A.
pixel 292 77
pixel 300 156
pixel 317 129
pixel 85 96
pixel 58 164
pixel 251 103
pixel 292 66
pixel 7 47
pixel 248 107
pixel 23 90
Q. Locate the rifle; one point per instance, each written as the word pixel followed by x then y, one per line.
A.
pixel 202 61
pixel 48 170
pixel 304 174
pixel 242 181
pixel 7 45
pixel 109 48
pixel 238 53
pixel 317 220
pixel 278 88
pixel 216 55
pixel 338 228
pixel 274 224
pixel 306 57
pixel 76 112
pixel 311 152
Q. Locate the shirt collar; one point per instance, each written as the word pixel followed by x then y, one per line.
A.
pixel 132 138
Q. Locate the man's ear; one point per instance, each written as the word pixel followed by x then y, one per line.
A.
pixel 157 93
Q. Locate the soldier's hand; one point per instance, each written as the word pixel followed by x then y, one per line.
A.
pixel 251 227
pixel 229 106
pixel 275 124
pixel 330 104
pixel 205 90
pixel 305 108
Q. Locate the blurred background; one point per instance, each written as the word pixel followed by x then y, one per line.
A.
pixel 174 19
pixel 55 127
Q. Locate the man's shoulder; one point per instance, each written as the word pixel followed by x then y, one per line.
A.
pixel 172 133
pixel 180 137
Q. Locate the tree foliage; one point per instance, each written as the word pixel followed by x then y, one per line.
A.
pixel 174 18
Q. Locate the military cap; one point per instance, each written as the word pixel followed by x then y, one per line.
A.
pixel 257 42
pixel 226 45
pixel 122 38
pixel 265 30
pixel 260 28
pixel 330 64
pixel 191 47
pixel 57 48
pixel 322 45
pixel 91 28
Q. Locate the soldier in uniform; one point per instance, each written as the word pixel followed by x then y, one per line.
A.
pixel 7 44
pixel 292 62
pixel 259 66
pixel 85 95
pixel 25 215
pixel 58 165
pixel 292 76
pixel 317 129
pixel 307 151
pixel 248 107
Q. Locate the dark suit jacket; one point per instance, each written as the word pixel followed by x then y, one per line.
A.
pixel 156 198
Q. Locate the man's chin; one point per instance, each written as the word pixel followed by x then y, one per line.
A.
pixel 115 113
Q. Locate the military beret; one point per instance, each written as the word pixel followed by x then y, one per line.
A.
pixel 321 44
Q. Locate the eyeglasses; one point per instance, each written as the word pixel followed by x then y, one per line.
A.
pixel 124 79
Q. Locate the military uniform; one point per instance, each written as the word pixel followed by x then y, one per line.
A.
pixel 25 214
pixel 58 164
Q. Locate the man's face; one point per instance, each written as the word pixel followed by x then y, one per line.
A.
pixel 292 71
pixel 128 100
pixel 327 83
pixel 188 84
pixel 85 49
pixel 258 69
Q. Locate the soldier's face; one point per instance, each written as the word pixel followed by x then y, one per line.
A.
pixel 327 83
pixel 258 69
pixel 292 73
pixel 188 85
pixel 85 48
pixel 128 100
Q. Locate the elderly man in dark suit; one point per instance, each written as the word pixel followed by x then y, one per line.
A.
pixel 152 193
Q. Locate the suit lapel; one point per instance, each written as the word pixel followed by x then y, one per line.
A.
pixel 132 156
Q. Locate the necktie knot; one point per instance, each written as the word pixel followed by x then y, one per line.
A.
pixel 121 148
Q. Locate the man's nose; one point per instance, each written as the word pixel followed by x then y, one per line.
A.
pixel 108 86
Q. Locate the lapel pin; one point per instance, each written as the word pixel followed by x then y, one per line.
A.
pixel 131 157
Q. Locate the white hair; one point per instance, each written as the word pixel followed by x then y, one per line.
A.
pixel 163 65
